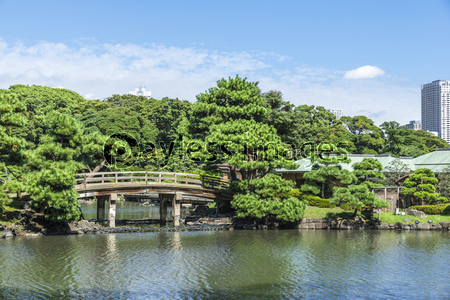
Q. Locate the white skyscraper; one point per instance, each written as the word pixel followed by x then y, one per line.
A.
pixel 336 112
pixel 436 108
pixel 140 91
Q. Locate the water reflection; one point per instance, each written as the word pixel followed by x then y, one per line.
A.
pixel 126 210
pixel 231 264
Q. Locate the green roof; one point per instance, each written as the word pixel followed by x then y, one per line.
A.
pixel 436 161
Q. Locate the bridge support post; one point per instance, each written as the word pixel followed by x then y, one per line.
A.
pixel 163 209
pixel 218 203
pixel 112 210
pixel 176 209
pixel 101 209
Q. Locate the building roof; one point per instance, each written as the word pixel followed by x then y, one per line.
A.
pixel 436 161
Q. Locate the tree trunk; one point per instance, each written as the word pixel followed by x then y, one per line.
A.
pixel 355 213
pixel 233 173
pixel 99 167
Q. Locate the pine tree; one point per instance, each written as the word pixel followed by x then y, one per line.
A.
pixel 11 118
pixel 356 196
pixel 368 172
pixel 51 182
pixel 228 126
pixel 326 170
pixel 422 185
pixel 268 196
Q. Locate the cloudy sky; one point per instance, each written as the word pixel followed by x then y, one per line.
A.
pixel 365 57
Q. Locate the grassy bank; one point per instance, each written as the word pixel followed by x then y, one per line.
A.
pixel 386 217
pixel 390 218
pixel 337 212
pixel 10 207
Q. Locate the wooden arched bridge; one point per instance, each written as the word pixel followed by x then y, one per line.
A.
pixel 169 185
pixel 106 183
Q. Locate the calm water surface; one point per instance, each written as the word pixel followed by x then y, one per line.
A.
pixel 271 264
pixel 126 210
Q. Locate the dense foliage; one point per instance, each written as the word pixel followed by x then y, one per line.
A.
pixel 231 118
pixel 11 120
pixel 327 171
pixel 422 185
pixel 266 196
pixel 48 134
pixel 438 209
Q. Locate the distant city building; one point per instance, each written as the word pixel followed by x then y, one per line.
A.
pixel 336 112
pixel 414 125
pixel 140 91
pixel 436 108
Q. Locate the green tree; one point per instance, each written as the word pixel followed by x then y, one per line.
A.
pixel 281 115
pixel 232 99
pixel 356 196
pixel 11 119
pixel 327 171
pixel 95 105
pixel 316 125
pixel 422 185
pixel 401 141
pixel 443 185
pixel 231 118
pixel 252 148
pixel 166 114
pixel 42 99
pixel 365 135
pixel 268 196
pixel 369 172
pixel 51 181
pixel 430 142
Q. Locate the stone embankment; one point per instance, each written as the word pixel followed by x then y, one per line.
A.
pixel 87 227
pixel 359 223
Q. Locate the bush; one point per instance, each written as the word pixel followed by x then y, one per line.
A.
pixel 346 207
pixel 295 193
pixel 317 201
pixel 311 199
pixel 438 209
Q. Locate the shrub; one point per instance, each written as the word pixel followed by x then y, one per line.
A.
pixel 295 193
pixel 438 209
pixel 311 199
pixel 346 207
pixel 317 201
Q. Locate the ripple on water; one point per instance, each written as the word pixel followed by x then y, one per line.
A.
pixel 227 264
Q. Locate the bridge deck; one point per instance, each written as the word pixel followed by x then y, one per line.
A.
pixel 105 183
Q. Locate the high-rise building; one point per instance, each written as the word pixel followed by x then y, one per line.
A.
pixel 436 108
pixel 140 91
pixel 336 112
pixel 414 125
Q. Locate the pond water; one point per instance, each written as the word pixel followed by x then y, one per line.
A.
pixel 126 210
pixel 253 264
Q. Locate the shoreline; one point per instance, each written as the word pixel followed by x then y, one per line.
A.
pixel 90 227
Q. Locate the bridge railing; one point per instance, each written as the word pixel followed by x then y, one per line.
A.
pixel 147 177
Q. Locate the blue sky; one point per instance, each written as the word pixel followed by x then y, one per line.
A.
pixel 365 57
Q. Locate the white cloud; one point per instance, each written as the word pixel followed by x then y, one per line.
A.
pixel 99 70
pixel 364 72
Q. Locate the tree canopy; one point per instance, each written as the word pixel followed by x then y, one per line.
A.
pixel 47 134
pixel 422 185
